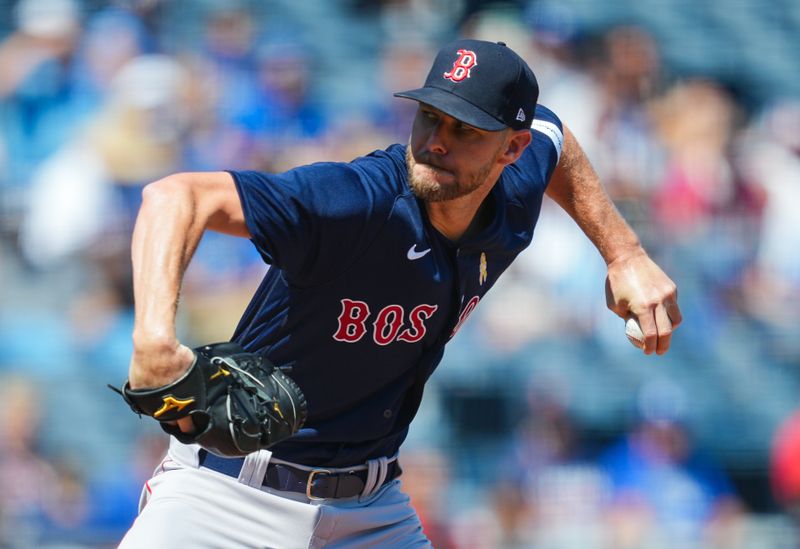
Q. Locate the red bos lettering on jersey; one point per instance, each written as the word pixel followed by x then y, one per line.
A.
pixel 389 324
pixel 471 304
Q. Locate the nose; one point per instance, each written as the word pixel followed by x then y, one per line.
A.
pixel 435 142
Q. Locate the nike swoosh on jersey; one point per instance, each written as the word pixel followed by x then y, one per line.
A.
pixel 414 254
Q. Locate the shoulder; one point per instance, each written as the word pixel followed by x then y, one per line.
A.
pixel 544 151
pixel 384 167
pixel 378 173
pixel 547 126
pixel 318 207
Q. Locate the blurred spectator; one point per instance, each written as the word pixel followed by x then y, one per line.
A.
pixel 696 122
pixel 546 436
pixel 38 496
pixel 100 317
pixel 426 480
pixel 785 465
pixel 38 106
pixel 549 494
pixel 225 89
pixel 703 202
pixel 561 62
pixel 89 191
pixel 661 485
pixel 770 154
pixel 628 157
pixel 413 21
pixel 286 114
pixel 402 67
pixel 114 494
pixel 112 37
pixel 255 106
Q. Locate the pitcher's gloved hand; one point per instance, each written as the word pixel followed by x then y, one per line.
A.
pixel 238 401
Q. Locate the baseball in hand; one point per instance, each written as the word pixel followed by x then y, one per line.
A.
pixel 634 332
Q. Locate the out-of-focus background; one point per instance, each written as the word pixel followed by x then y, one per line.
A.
pixel 543 427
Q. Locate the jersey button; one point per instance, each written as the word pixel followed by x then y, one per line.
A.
pixel 387 414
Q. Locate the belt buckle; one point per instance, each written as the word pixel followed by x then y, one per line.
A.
pixel 310 481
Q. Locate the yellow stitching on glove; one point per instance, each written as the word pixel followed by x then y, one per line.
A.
pixel 172 403
pixel 221 372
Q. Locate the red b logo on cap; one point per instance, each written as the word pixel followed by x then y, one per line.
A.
pixel 461 68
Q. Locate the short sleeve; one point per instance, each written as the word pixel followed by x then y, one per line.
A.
pixel 311 221
pixel 531 173
pixel 548 138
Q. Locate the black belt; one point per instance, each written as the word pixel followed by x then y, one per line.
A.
pixel 318 483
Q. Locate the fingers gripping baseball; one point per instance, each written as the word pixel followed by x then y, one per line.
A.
pixel 636 287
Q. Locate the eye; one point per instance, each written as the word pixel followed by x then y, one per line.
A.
pixel 429 115
pixel 463 128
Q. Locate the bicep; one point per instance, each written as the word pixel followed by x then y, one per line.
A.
pixel 217 199
pixel 572 169
pixel 577 188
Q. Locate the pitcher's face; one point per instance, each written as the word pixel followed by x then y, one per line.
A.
pixel 447 158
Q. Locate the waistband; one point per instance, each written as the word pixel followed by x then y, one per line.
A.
pixel 315 482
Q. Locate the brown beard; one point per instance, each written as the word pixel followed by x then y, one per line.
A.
pixel 430 190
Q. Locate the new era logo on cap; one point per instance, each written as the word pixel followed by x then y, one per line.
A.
pixel 484 84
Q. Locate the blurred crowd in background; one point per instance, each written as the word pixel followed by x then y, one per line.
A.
pixel 543 427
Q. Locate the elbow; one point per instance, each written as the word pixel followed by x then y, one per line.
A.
pixel 172 196
pixel 208 200
pixel 166 186
pixel 171 190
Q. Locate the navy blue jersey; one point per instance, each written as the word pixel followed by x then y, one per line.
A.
pixel 363 293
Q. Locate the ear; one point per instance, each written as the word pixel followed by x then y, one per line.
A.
pixel 516 145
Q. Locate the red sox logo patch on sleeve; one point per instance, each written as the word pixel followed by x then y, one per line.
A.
pixel 462 66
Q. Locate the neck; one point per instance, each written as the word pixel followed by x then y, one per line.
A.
pixel 454 217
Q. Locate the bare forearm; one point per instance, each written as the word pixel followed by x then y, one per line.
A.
pixel 164 238
pixel 635 285
pixel 576 187
pixel 174 214
pixel 168 229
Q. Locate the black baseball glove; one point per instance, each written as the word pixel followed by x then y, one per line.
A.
pixel 239 402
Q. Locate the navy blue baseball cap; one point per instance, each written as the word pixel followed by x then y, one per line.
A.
pixel 484 84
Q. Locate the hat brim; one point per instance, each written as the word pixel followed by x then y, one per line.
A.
pixel 454 106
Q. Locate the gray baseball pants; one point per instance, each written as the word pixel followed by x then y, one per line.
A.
pixel 184 505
